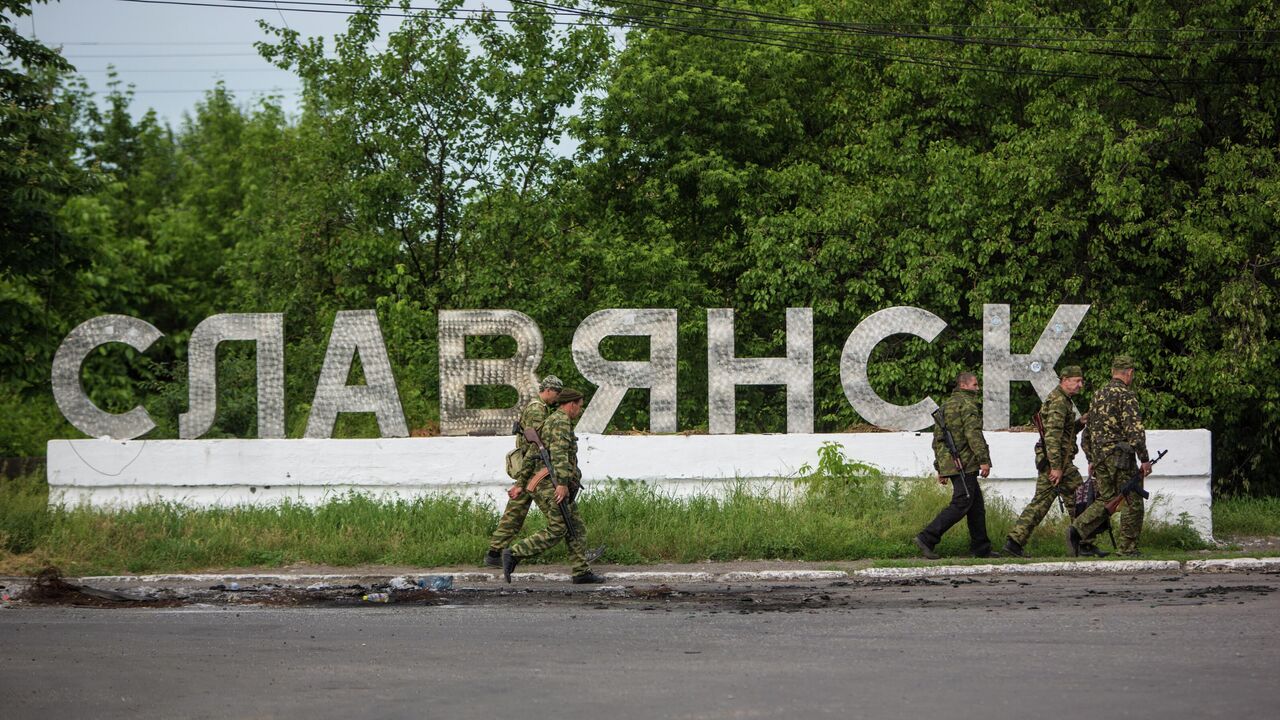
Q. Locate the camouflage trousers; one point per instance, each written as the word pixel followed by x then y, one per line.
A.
pixel 555 531
pixel 511 522
pixel 1110 474
pixel 1046 493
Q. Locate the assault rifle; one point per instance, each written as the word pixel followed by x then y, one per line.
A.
pixel 1043 447
pixel 947 439
pixel 1133 486
pixel 532 437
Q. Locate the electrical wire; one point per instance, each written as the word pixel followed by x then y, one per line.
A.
pixel 771 37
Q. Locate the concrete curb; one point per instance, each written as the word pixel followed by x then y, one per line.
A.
pixel 735 576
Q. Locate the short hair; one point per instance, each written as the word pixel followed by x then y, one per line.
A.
pixel 964 378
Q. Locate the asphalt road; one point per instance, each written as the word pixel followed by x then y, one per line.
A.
pixel 1045 646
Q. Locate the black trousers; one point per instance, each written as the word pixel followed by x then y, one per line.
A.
pixel 966 502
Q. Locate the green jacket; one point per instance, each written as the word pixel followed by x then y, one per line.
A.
pixel 1061 425
pixel 962 413
pixel 1115 421
pixel 532 416
pixel 558 436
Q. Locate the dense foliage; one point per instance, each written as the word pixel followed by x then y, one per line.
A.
pixel 1117 153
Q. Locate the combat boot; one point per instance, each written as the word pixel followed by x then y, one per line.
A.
pixel 509 563
pixel 925 549
pixel 1014 548
pixel 493 558
pixel 587 577
pixel 1091 550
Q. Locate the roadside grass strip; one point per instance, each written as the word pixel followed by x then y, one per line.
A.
pixel 838 512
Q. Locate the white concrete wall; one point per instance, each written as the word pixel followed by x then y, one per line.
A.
pixel 230 472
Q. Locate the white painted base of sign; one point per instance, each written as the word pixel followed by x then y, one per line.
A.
pixel 232 472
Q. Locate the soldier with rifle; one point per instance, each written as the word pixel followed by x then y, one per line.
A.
pixel 555 487
pixel 523 463
pixel 961 456
pixel 1058 423
pixel 1116 436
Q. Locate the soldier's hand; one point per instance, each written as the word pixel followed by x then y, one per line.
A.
pixel 1084 419
pixel 942 479
pixel 514 492
pixel 1146 469
pixel 562 492
pixel 1055 477
pixel 984 470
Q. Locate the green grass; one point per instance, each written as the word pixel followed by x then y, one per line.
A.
pixel 839 511
pixel 1255 517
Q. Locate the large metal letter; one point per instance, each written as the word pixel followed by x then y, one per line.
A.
pixel 1000 367
pixel 870 332
pixel 266 330
pixel 356 331
pixel 76 407
pixel 614 377
pixel 725 371
pixel 457 372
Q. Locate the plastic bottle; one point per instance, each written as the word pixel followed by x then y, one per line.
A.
pixel 377 597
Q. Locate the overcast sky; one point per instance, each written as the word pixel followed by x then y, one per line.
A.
pixel 174 53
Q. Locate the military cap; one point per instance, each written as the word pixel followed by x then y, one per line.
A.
pixel 1122 362
pixel 1071 371
pixel 567 396
pixel 550 382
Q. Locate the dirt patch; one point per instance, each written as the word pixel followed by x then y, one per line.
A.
pixel 49 588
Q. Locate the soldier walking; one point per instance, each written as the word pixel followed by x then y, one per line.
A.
pixel 962 415
pixel 1055 459
pixel 519 501
pixel 553 492
pixel 1116 435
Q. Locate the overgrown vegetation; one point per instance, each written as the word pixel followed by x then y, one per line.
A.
pixel 1094 160
pixel 836 511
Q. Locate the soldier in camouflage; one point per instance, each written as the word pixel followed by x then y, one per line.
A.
pixel 519 501
pixel 1115 436
pixel 1055 459
pixel 557 435
pixel 962 413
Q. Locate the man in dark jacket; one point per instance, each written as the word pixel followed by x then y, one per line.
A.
pixel 962 415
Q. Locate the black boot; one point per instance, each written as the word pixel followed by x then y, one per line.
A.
pixel 587 577
pixel 1073 541
pixel 493 558
pixel 509 563
pixel 925 549
pixel 1091 550
pixel 1014 548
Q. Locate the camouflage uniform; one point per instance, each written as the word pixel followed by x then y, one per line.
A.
pixel 1061 425
pixel 962 413
pixel 533 416
pixel 1115 436
pixel 557 434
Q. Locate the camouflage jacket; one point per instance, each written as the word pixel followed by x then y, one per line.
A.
pixel 962 413
pixel 1114 420
pixel 558 436
pixel 1061 425
pixel 532 416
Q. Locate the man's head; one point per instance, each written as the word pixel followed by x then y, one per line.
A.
pixel 1122 369
pixel 1071 379
pixel 549 389
pixel 966 381
pixel 570 401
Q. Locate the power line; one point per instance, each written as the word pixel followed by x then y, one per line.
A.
pixel 207 90
pixel 778 38
pixel 178 70
pixel 167 55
